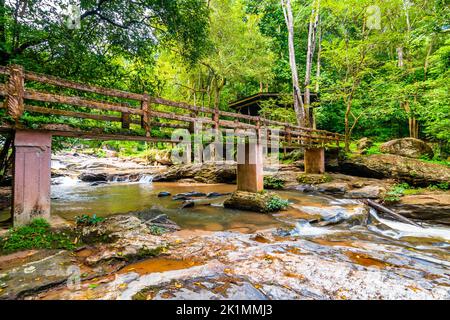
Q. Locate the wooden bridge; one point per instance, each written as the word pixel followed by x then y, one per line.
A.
pixel 134 116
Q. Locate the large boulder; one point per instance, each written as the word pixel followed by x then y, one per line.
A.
pixel 363 144
pixel 218 172
pixel 381 166
pixel 434 207
pixel 93 177
pixel 407 147
pixel 254 201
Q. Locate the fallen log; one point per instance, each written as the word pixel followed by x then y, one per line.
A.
pixel 381 208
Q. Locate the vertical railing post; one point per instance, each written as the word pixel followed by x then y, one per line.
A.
pixel 15 92
pixel 288 138
pixel 125 120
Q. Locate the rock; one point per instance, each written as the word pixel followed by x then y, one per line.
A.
pixel 364 144
pixel 333 187
pixel 97 183
pixel 433 207
pixel 308 178
pixel 187 204
pixel 192 194
pixel 93 177
pixel 368 192
pixel 181 197
pixel 164 194
pixel 156 217
pixel 250 201
pixel 216 194
pixel 5 197
pixel 206 173
pixel 46 269
pixel 414 172
pixel 407 147
pixel 130 239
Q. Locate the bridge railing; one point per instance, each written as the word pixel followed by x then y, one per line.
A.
pixel 130 108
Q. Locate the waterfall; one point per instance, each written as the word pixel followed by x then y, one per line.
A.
pixel 65 181
pixel 146 179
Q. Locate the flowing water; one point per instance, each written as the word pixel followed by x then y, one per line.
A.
pixel 333 228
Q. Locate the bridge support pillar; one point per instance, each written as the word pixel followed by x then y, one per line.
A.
pixel 315 160
pixel 31 177
pixel 250 167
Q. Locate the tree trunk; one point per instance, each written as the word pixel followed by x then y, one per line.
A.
pixel 313 23
pixel 298 100
pixel 317 88
pixel 347 126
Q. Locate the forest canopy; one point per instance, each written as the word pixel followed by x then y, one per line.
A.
pixel 380 68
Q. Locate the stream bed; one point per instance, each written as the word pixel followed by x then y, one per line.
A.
pixel 321 247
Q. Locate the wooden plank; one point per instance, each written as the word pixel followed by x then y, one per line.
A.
pixel 73 114
pixel 77 101
pixel 43 78
pixel 101 136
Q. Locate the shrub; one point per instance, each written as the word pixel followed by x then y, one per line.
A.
pixel 271 182
pixel 36 235
pixel 157 230
pixel 86 220
pixel 276 203
pixel 396 192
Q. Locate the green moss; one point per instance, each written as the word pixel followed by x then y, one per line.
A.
pixel 145 252
pixel 36 235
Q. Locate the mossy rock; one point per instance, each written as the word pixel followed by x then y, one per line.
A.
pixel 308 178
pixel 263 202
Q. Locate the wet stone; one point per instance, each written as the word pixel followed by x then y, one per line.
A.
pixel 163 194
pixel 51 269
pixel 188 204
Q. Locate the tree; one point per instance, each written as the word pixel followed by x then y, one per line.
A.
pixel 35 33
pixel 299 107
pixel 312 35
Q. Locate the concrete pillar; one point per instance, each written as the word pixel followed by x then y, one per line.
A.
pixel 315 160
pixel 31 178
pixel 250 168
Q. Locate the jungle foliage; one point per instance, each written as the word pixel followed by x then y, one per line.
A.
pixel 381 68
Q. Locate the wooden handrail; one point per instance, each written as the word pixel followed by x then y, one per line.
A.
pixel 146 111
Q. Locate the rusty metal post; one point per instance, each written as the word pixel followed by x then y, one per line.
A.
pixel 315 160
pixel 31 176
